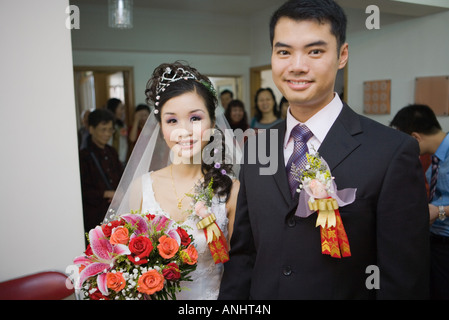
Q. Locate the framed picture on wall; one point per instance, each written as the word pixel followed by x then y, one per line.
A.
pixel 434 92
pixel 377 97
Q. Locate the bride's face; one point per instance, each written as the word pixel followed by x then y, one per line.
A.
pixel 186 124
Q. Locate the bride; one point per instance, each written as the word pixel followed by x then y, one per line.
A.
pixel 181 142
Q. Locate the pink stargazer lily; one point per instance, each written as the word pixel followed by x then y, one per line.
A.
pixel 137 221
pixel 162 222
pixel 102 260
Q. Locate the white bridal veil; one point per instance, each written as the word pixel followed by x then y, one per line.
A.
pixel 151 153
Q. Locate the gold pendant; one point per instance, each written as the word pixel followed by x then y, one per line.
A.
pixel 180 205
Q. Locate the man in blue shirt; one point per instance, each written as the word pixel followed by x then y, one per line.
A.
pixel 421 123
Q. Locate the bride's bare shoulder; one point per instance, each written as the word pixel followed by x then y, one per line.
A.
pixel 163 173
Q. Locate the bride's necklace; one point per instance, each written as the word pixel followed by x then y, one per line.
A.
pixel 176 193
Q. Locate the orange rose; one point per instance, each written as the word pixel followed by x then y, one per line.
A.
pixel 167 247
pixel 189 255
pixel 150 282
pixel 115 281
pixel 120 236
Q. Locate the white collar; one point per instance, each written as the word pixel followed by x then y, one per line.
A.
pixel 320 123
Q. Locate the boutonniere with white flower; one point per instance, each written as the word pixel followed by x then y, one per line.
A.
pixel 202 207
pixel 318 193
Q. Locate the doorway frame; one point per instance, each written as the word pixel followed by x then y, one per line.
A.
pixel 128 84
pixel 255 82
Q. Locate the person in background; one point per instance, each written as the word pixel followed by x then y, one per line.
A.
pixel 420 122
pixel 100 168
pixel 141 115
pixel 283 106
pixel 236 115
pixel 225 97
pixel 266 110
pixel 120 138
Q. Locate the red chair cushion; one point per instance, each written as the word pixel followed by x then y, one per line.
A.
pixel 48 285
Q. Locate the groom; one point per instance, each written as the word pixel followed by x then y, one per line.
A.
pixel 276 254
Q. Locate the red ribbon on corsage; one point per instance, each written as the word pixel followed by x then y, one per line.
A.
pixel 318 192
pixel 215 239
pixel 334 240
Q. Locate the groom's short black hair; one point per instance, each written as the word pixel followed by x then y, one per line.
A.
pixel 318 10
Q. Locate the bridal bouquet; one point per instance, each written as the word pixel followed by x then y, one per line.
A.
pixel 136 257
pixel 321 195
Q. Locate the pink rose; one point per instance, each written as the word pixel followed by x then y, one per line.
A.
pixel 201 209
pixel 318 189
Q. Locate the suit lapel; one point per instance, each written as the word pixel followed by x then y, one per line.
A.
pixel 281 176
pixel 340 141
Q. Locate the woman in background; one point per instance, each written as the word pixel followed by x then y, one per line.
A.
pixel 236 115
pixel 267 114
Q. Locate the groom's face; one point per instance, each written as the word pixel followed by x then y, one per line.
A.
pixel 304 62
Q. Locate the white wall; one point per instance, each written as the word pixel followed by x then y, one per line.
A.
pixel 260 37
pixel 41 211
pixel 400 52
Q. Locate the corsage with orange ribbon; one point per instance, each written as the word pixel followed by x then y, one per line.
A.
pixel 202 206
pixel 321 195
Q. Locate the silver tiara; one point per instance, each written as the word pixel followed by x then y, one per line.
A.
pixel 169 77
pixel 180 74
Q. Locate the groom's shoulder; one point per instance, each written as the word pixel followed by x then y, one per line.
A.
pixel 379 133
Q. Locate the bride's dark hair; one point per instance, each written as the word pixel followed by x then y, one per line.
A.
pixel 200 84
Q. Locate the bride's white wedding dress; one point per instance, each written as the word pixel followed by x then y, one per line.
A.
pixel 207 276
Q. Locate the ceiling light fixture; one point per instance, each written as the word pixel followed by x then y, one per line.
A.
pixel 120 14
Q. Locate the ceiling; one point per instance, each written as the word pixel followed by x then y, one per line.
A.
pixel 227 7
pixel 412 8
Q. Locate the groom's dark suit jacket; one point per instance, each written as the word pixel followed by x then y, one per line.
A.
pixel 276 255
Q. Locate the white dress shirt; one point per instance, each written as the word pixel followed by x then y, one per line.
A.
pixel 320 124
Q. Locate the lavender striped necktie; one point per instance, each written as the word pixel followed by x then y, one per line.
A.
pixel 433 179
pixel 301 134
